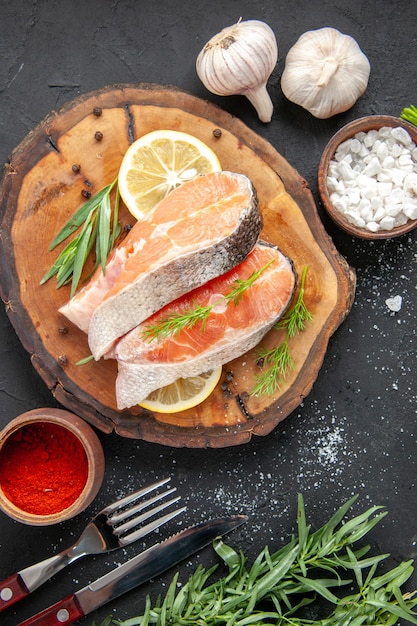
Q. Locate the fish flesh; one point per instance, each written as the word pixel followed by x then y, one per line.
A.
pixel 199 231
pixel 231 328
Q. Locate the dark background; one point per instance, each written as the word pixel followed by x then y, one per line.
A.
pixel 355 433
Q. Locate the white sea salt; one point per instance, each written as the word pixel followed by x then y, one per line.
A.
pixel 394 304
pixel 372 179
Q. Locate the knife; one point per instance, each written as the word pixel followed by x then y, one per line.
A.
pixel 141 568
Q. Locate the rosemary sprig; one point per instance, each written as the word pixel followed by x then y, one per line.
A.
pixel 174 323
pixel 277 361
pixel 280 588
pixel 409 114
pixel 97 229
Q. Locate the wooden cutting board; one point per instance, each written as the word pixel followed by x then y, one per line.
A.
pixel 40 191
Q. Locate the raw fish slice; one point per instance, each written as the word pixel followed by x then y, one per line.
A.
pixel 147 243
pixel 230 330
pixel 200 231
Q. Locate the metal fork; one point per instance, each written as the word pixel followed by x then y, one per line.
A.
pixel 117 525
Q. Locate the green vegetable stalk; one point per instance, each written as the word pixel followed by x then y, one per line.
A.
pixel 409 114
pixel 278 588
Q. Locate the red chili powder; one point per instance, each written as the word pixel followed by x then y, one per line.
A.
pixel 43 468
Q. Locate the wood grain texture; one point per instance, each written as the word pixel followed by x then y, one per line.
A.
pixel 40 191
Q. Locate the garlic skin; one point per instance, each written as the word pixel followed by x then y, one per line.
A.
pixel 325 72
pixel 239 61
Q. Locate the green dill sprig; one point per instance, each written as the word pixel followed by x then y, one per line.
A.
pixel 277 362
pixel 409 114
pixel 174 323
pixel 296 318
pixel 307 575
pixel 97 229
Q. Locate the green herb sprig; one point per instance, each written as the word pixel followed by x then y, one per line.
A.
pixel 282 588
pixel 173 324
pixel 409 114
pixel 94 219
pixel 277 361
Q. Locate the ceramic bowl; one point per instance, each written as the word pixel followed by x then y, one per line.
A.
pixel 364 124
pixel 94 466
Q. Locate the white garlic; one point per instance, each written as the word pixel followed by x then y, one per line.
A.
pixel 325 72
pixel 239 61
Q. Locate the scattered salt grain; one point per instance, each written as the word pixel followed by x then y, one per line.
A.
pixel 394 303
pixel 379 166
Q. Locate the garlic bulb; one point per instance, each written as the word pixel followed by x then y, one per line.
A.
pixel 325 72
pixel 239 60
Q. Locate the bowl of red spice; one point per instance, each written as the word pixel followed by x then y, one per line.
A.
pixel 51 466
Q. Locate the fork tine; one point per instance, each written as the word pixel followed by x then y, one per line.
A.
pixel 131 523
pixel 145 530
pixel 133 496
pixel 119 516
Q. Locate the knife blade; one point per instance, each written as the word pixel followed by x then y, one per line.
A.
pixel 138 570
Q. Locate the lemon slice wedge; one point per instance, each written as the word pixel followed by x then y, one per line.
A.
pixel 157 163
pixel 184 393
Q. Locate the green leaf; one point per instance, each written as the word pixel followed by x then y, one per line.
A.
pixel 225 552
pixel 358 527
pixel 320 587
pixel 393 609
pixel 399 575
pixel 103 236
pixel 327 530
pixel 83 248
pixel 303 530
pixel 80 216
pixel 116 224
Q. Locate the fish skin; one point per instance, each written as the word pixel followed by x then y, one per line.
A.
pixel 138 376
pixel 117 315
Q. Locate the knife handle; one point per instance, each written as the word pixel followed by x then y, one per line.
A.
pixel 63 612
pixel 11 590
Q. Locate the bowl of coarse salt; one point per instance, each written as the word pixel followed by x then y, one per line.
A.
pixel 367 177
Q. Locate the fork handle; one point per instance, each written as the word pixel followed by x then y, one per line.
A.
pixel 20 585
pixel 11 590
pixel 64 612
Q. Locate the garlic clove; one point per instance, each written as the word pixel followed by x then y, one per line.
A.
pixel 239 61
pixel 325 72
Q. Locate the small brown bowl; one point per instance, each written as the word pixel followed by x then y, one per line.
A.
pixel 364 124
pixel 29 442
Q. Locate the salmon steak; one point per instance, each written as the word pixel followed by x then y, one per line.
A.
pixel 199 231
pixel 147 361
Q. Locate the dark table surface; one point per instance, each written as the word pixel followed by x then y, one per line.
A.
pixel 356 431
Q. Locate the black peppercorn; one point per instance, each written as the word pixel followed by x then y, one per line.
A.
pixel 97 111
pixel 217 133
pixel 86 193
pixel 76 168
pixel 98 135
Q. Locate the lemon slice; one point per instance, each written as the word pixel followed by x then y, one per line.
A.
pixel 184 393
pixel 159 162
